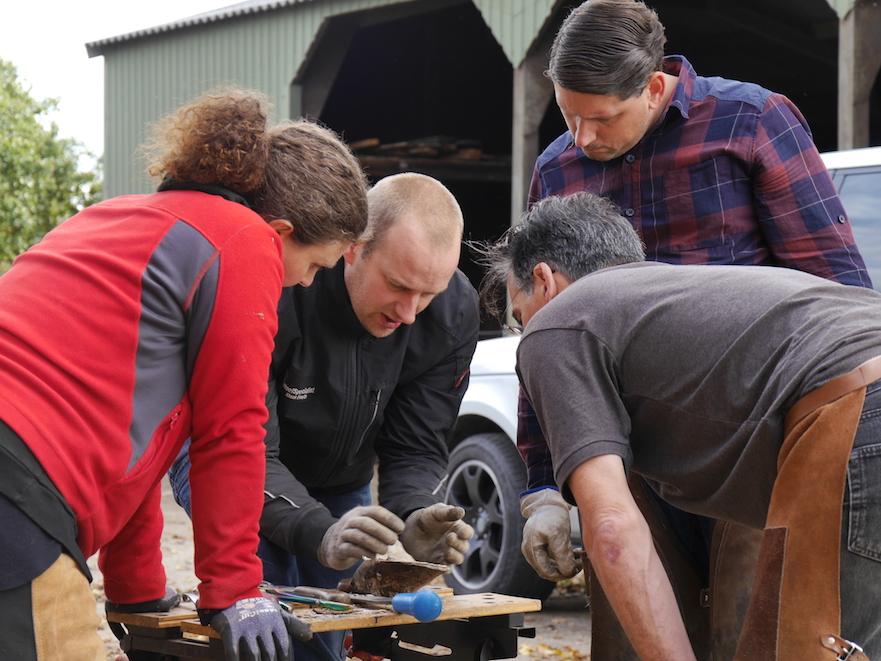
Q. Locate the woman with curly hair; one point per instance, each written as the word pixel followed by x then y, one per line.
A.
pixel 136 324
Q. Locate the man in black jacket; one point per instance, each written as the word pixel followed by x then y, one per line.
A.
pixel 370 364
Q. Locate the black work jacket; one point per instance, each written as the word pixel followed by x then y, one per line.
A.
pixel 339 399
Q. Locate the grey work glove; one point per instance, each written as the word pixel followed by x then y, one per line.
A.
pixel 547 544
pixel 256 629
pixel 161 605
pixel 363 531
pixel 437 534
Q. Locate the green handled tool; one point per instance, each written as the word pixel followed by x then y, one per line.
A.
pixel 287 595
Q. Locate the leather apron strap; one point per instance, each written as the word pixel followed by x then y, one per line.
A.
pixel 864 374
pixel 795 606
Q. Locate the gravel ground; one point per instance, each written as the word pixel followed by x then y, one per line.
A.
pixel 562 626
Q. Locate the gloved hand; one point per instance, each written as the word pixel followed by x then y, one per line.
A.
pixel 256 629
pixel 547 544
pixel 161 605
pixel 363 531
pixel 437 534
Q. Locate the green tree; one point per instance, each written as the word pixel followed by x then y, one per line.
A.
pixel 40 180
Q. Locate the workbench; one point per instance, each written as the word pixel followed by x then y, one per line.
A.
pixel 476 627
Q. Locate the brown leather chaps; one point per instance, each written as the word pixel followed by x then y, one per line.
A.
pixel 773 595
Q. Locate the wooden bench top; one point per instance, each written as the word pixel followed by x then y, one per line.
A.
pixel 322 619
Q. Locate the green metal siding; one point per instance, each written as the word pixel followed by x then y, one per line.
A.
pixel 146 78
pixel 842 7
pixel 515 23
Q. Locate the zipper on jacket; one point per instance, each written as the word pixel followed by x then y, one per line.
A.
pixel 376 397
pixel 349 418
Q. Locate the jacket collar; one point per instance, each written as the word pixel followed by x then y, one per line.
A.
pixel 170 183
pixel 335 297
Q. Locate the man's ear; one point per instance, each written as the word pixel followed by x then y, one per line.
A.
pixel 543 278
pixel 657 86
pixel 283 227
pixel 352 251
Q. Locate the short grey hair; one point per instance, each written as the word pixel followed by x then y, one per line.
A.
pixel 574 235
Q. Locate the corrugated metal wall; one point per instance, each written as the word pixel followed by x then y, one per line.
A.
pixel 149 77
pixel 515 23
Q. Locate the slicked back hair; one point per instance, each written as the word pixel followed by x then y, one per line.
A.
pixel 607 47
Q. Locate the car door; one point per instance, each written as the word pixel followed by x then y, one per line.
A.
pixel 860 191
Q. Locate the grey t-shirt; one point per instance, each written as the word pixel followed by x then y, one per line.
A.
pixel 687 373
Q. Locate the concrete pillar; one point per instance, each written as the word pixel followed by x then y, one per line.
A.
pixel 859 59
pixel 532 93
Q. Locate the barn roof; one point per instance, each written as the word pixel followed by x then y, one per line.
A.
pixel 96 48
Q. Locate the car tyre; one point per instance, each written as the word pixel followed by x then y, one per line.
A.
pixel 486 478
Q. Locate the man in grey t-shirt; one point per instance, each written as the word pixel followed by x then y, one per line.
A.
pixel 737 393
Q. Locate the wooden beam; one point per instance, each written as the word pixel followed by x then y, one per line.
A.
pixel 445 169
pixel 859 60
pixel 532 94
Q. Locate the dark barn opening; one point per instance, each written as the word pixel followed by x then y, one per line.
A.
pixel 437 78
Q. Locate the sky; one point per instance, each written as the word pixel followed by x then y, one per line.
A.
pixel 45 40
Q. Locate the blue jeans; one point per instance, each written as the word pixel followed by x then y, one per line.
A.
pixel 283 568
pixel 861 532
pixel 179 477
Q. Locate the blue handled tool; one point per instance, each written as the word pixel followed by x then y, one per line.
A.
pixel 424 605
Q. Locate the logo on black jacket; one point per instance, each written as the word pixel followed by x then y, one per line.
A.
pixel 298 393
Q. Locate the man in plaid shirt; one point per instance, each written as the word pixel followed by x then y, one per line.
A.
pixel 708 171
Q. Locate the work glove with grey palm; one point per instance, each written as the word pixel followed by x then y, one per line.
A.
pixel 256 629
pixel 437 534
pixel 547 543
pixel 161 605
pixel 361 532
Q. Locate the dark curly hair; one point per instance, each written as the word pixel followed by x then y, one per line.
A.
pixel 313 180
pixel 298 171
pixel 217 139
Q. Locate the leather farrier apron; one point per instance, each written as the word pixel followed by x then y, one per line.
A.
pixel 795 611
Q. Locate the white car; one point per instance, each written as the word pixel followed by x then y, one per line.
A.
pixel 857 176
pixel 486 472
pixel 487 476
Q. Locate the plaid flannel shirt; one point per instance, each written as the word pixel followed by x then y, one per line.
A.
pixel 728 175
